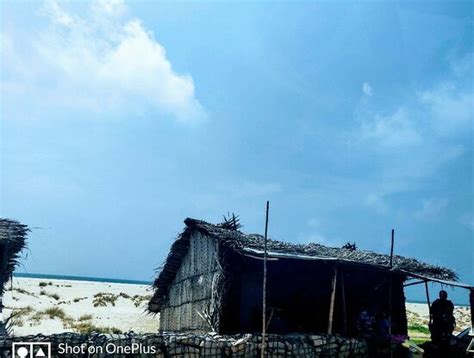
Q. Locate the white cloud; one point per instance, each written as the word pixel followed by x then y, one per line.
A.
pixel 367 89
pixel 393 131
pixel 450 109
pixel 467 219
pixel 103 61
pixel 431 208
pixel 415 140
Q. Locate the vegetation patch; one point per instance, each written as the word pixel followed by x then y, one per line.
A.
pixel 24 292
pixel 54 296
pixel 55 312
pixel 86 317
pixel 138 300
pixel 23 311
pixel 419 328
pixel 79 299
pixel 17 316
pixel 103 299
pixel 88 327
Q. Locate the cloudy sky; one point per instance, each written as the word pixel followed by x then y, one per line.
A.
pixel 118 120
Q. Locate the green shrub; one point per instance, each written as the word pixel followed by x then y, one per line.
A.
pixel 416 327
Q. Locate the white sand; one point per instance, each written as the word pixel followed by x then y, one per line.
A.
pixel 124 315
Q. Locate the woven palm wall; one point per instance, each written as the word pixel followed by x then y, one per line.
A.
pixel 193 299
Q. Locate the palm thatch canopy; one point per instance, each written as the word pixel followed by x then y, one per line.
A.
pixel 253 244
pixel 12 241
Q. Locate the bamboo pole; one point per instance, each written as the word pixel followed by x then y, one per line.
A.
pixel 333 297
pixel 428 301
pixel 391 248
pixel 390 303
pixel 471 303
pixel 414 283
pixel 264 288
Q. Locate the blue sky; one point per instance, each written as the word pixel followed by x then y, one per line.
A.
pixel 118 120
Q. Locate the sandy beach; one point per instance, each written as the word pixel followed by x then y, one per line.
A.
pixel 56 306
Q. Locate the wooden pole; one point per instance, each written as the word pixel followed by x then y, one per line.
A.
pixel 333 297
pixel 471 303
pixel 414 283
pixel 264 288
pixel 391 248
pixel 428 301
pixel 390 294
pixel 344 309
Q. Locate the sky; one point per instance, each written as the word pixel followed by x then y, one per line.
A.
pixel 121 119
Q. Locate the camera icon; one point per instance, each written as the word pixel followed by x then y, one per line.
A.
pixel 31 350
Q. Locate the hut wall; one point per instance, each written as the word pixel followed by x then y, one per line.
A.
pixel 192 302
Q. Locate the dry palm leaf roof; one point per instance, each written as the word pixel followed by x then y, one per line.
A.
pixel 13 239
pixel 252 244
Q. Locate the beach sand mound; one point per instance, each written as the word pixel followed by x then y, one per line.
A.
pixel 56 306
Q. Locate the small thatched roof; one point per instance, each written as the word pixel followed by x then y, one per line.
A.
pixel 13 238
pixel 253 245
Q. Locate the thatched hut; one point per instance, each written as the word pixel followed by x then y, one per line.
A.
pixel 212 280
pixel 12 241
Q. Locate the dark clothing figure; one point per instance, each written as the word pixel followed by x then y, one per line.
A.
pixel 442 320
pixel 383 328
pixel 365 324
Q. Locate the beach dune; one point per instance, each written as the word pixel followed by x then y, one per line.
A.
pixel 55 306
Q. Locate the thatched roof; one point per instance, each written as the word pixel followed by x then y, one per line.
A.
pixel 252 245
pixel 13 238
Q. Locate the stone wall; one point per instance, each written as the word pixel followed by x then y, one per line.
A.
pixel 194 346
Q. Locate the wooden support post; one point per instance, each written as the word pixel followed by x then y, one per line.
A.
pixel 333 297
pixel 264 288
pixel 390 313
pixel 344 308
pixel 391 248
pixel 471 302
pixel 428 301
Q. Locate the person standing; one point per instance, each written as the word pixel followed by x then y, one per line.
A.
pixel 442 320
